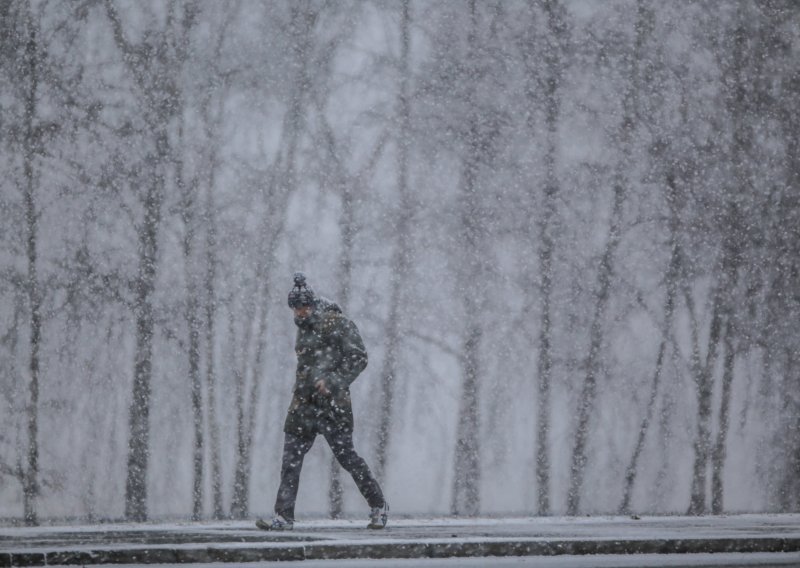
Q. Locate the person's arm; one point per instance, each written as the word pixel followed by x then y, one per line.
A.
pixel 354 353
pixel 353 357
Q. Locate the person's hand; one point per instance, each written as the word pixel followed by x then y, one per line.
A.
pixel 321 387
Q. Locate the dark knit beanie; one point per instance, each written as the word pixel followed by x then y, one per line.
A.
pixel 302 294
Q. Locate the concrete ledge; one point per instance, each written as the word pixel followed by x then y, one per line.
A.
pixel 444 538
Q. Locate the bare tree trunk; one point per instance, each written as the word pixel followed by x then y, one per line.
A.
pixel 725 335
pixel 241 475
pixel 702 375
pixel 466 487
pixel 11 340
pixel 30 479
pixel 347 230
pixel 552 56
pixel 190 195
pixel 210 315
pixel 348 187
pixel 211 376
pixel 303 21
pixel 193 323
pixel 789 279
pixel 723 332
pixel 246 408
pixel 589 388
pixel 790 486
pixel 401 257
pixel 719 452
pixel 661 485
pixel 606 268
pixel 466 480
pixel 281 186
pixel 697 500
pixel 193 319
pixel 161 100
pixel 673 273
pixel 139 417
pixel 335 490
pixel 271 230
pixel 733 230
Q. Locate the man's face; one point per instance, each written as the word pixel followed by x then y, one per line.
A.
pixel 302 312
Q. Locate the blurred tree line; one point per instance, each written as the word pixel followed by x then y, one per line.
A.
pixel 568 231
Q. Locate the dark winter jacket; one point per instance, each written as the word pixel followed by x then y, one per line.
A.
pixel 328 347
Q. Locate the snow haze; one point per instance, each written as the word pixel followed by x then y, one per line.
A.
pixel 568 232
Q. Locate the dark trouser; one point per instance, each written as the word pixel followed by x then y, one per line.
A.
pixel 295 449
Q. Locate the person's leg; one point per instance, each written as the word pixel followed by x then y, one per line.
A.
pixel 341 442
pixel 294 450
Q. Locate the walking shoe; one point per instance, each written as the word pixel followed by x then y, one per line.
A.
pixel 378 517
pixel 276 523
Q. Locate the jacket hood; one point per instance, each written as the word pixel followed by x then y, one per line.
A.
pixel 326 305
pixel 322 306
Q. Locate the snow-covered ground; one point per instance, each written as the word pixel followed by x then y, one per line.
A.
pixel 649 526
pixel 723 560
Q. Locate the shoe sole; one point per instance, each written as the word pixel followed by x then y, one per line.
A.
pixel 267 527
pixel 378 526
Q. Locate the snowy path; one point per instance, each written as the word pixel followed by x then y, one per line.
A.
pixel 405 539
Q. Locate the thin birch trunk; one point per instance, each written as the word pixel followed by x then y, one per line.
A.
pixel 193 324
pixel 702 375
pixel 466 479
pixel 555 27
pixel 151 76
pixel 605 272
pixel 719 452
pixel 335 490
pixel 30 479
pixel 673 273
pixel 193 320
pixel 589 388
pixel 281 186
pixel 209 284
pixel 733 229
pixel 790 488
pixel 247 408
pixel 139 417
pixel 193 308
pixel 401 256
pixel 210 309
pixel 466 487
pixel 241 473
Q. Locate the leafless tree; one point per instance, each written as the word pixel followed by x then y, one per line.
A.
pixel 153 64
pixel 605 272
pixel 401 262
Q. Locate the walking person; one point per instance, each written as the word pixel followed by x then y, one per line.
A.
pixel 330 355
